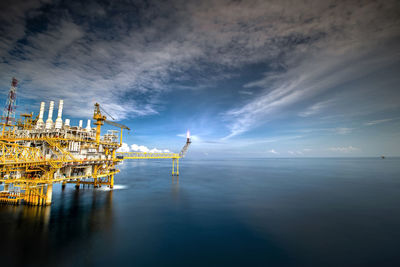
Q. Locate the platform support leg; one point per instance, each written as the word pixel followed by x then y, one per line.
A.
pixel 41 196
pixel 49 194
pixel 177 167
pixel 175 164
pixel 111 181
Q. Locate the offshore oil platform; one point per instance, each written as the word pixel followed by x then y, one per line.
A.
pixel 35 154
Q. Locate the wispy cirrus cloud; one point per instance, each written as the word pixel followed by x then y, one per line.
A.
pixel 315 108
pixel 326 61
pixel 295 152
pixel 374 122
pixel 244 92
pixel 343 130
pixel 301 84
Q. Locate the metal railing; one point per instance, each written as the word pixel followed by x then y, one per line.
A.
pixel 148 155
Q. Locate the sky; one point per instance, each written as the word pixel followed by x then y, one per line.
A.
pixel 248 78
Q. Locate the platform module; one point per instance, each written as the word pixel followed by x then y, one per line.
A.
pixel 35 154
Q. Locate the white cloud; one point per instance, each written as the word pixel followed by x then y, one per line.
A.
pixel 124 148
pixel 343 130
pixel 370 123
pixel 244 92
pixel 273 151
pixel 337 130
pixel 140 148
pixel 295 152
pixel 346 149
pixel 315 108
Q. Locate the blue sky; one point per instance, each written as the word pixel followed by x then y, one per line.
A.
pixel 248 78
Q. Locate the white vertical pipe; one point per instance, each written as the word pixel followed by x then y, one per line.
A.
pixel 49 122
pixel 59 119
pixel 40 122
pixel 88 128
pixel 80 123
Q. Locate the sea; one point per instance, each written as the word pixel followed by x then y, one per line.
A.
pixel 219 212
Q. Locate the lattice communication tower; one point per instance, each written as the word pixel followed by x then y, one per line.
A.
pixel 10 107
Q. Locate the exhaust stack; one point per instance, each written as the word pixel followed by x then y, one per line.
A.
pixel 59 119
pixel 188 137
pixel 80 123
pixel 67 121
pixel 88 126
pixel 40 122
pixel 49 122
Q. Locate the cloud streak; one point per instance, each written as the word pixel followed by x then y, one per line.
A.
pixel 371 123
pixel 345 149
pixel 315 108
pixel 321 63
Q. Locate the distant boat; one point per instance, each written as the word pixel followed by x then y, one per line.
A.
pixel 383 157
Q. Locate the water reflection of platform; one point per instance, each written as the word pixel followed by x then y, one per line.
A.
pixel 33 235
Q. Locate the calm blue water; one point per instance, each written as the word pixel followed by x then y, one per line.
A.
pixel 262 212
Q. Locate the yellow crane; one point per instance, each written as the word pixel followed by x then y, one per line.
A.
pixel 101 119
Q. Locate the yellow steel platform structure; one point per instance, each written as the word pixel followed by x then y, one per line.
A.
pixel 34 156
pixel 146 155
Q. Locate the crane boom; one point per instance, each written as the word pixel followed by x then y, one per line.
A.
pixel 117 125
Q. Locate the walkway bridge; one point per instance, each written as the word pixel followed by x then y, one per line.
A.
pixel 149 155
